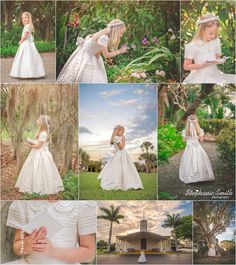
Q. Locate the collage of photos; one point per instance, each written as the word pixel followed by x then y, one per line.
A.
pixel 118 132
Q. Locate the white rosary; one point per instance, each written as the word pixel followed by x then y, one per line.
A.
pixel 22 237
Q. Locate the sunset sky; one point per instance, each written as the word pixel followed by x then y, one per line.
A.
pixel 103 106
pixel 154 211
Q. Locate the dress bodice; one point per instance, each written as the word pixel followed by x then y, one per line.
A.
pixel 76 218
pixel 202 51
pixel 192 139
pixel 43 137
pixel 27 28
pixel 94 46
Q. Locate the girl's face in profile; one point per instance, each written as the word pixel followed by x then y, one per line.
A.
pixel 25 19
pixel 39 123
pixel 210 33
pixel 122 31
pixel 120 132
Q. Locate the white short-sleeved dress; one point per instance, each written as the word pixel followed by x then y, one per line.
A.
pixel 195 165
pixel 77 218
pixel 27 62
pixel 201 52
pixel 120 173
pixel 39 173
pixel 83 66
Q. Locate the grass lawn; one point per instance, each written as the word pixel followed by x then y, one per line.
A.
pixel 90 189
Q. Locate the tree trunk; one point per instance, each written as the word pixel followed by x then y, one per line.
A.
pixel 206 89
pixel 161 104
pixel 109 239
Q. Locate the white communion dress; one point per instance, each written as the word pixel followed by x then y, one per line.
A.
pixel 39 173
pixel 212 252
pixel 142 258
pixel 195 165
pixel 83 66
pixel 200 52
pixel 120 173
pixel 77 218
pixel 27 62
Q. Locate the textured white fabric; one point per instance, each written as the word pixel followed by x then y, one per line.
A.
pixel 39 173
pixel 142 258
pixel 76 217
pixel 201 52
pixel 195 165
pixel 120 173
pixel 212 252
pixel 83 66
pixel 27 62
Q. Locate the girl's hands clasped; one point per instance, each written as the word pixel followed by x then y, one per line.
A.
pixel 33 238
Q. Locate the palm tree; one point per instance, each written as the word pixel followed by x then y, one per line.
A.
pixel 111 214
pixel 84 159
pixel 173 221
pixel 149 158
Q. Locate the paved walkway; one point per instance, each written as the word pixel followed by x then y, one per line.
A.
pixel 179 258
pixel 168 177
pixel 49 61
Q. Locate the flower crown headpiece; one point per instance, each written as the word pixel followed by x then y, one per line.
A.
pixel 206 20
pixel 115 24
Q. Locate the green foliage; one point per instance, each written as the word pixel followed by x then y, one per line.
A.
pixel 90 189
pixel 165 196
pixel 184 230
pixel 70 182
pixel 214 126
pixel 169 142
pixel 161 52
pixel 226 145
pixel 10 51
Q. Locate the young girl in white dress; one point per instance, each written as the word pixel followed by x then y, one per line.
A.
pixel 119 173
pixel 195 165
pixel 212 251
pixel 86 65
pixel 39 173
pixel 73 243
pixel 142 258
pixel 203 54
pixel 27 62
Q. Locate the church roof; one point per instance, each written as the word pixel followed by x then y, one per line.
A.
pixel 143 235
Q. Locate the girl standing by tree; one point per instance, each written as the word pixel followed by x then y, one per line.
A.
pixel 39 174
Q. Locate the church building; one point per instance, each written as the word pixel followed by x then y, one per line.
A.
pixel 144 240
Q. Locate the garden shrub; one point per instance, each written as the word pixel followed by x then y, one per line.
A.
pixel 226 145
pixel 169 142
pixel 214 126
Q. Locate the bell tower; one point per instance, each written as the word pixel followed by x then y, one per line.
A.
pixel 143 224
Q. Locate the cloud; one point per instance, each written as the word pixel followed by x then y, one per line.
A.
pixel 124 103
pixel 110 93
pixel 153 211
pixel 84 130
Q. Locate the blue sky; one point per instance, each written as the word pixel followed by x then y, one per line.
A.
pixel 154 211
pixel 103 106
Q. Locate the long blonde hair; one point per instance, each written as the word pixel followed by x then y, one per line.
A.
pixel 28 14
pixel 114 133
pixel 46 124
pixel 192 119
pixel 115 27
pixel 203 26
